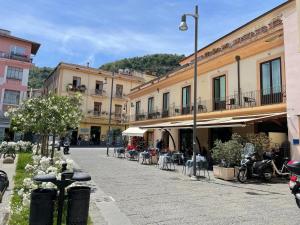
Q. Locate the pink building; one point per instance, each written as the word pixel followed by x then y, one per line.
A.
pixel 15 62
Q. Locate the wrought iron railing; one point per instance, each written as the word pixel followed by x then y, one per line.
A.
pixel 240 100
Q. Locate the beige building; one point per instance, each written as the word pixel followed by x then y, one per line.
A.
pixel 95 86
pixel 242 80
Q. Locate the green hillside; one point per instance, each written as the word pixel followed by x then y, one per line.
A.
pixel 37 75
pixel 157 64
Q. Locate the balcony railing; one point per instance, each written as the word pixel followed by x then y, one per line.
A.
pixel 73 88
pixel 98 92
pixel 23 58
pixel 123 118
pixel 237 101
pixel 120 95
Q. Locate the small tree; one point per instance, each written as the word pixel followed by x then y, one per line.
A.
pixel 45 115
pixel 228 153
pixel 261 143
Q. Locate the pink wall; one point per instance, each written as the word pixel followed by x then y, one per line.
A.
pixel 292 60
pixel 6 43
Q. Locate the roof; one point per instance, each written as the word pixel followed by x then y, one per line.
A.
pixel 93 70
pixel 239 28
pixel 35 46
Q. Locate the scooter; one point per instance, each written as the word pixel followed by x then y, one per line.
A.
pixel 294 184
pixel 250 167
pixel 66 146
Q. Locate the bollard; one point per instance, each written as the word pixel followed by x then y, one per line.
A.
pixel 78 205
pixel 42 206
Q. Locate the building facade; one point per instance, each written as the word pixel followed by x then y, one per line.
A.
pixel 247 83
pixel 15 63
pixel 95 85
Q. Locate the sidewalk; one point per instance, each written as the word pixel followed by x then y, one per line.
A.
pixel 10 169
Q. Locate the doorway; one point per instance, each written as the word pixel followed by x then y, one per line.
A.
pixel 223 134
pixel 95 135
pixel 186 141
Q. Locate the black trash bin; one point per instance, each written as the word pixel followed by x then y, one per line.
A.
pixel 78 205
pixel 42 206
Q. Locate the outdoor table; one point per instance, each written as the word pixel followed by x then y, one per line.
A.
pixel 178 157
pixel 163 162
pixel 189 164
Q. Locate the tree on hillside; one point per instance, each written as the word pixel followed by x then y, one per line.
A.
pixel 157 64
pixel 37 75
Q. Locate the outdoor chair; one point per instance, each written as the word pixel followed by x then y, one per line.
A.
pixel 119 152
pixel 146 158
pixel 132 155
pixel 202 165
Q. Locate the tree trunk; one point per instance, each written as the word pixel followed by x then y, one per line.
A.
pixel 53 147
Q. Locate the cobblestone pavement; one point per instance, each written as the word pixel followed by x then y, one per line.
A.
pixel 146 195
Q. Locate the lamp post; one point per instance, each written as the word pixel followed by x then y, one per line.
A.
pixel 110 106
pixel 183 27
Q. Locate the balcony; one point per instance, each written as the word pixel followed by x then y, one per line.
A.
pixel 98 93
pixel 120 96
pixel 119 117
pixel 237 101
pixel 73 88
pixel 23 58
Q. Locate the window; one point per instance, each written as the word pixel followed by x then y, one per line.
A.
pixel 219 92
pixel 99 87
pixel 119 90
pixel 11 97
pixel 97 106
pixel 165 111
pixel 271 89
pixel 150 105
pixel 17 50
pixel 186 100
pixel 118 110
pixel 14 73
pixel 76 82
pixel 138 107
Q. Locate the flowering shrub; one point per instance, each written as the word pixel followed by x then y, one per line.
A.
pixel 16 147
pixel 41 166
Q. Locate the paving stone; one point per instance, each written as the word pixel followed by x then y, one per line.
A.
pixel 147 195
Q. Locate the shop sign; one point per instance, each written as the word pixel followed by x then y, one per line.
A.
pixel 84 130
pixel 243 39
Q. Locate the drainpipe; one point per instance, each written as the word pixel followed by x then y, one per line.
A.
pixel 238 59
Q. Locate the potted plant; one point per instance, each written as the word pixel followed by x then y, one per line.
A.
pixel 227 155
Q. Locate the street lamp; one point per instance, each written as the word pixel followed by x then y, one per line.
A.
pixel 183 27
pixel 110 106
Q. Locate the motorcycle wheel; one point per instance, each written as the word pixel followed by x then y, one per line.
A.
pixel 298 203
pixel 267 174
pixel 242 176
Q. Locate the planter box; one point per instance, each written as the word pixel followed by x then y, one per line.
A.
pixel 224 173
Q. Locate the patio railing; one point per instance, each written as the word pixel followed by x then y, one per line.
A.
pixel 240 100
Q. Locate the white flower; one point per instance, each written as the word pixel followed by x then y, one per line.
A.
pixel 70 164
pixel 6 114
pixel 21 192
pixel 29 168
pixel 26 200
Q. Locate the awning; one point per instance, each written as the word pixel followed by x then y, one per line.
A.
pixel 134 132
pixel 238 121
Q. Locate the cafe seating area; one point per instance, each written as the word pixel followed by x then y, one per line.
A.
pixel 164 160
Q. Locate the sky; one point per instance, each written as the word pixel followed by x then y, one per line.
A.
pixel 101 31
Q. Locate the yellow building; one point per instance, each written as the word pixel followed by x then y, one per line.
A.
pixel 95 86
pixel 242 79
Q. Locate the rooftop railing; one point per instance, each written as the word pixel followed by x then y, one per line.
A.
pixel 240 100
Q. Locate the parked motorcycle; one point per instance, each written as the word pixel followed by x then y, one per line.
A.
pixel 294 184
pixel 66 146
pixel 251 167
